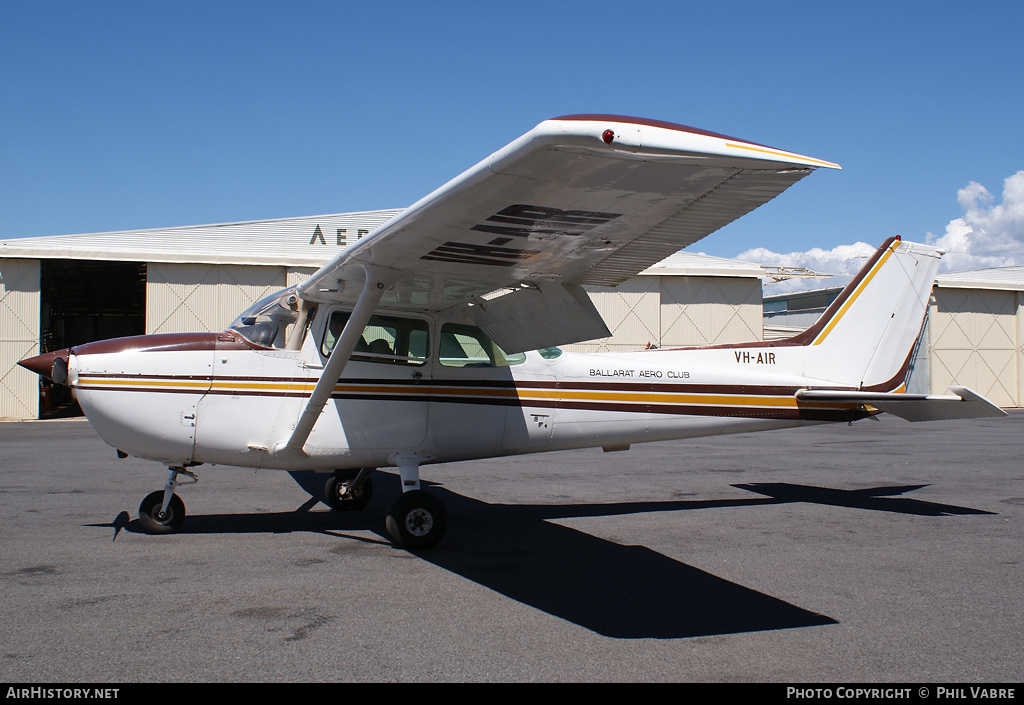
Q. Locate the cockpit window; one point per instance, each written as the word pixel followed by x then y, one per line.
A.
pixel 266 321
pixel 468 346
pixel 389 339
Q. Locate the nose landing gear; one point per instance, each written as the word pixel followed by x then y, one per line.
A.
pixel 162 512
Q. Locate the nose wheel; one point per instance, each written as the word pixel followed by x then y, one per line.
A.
pixel 155 519
pixel 163 512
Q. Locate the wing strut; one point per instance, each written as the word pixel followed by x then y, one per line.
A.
pixel 378 281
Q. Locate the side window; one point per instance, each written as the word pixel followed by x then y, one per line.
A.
pixel 386 339
pixel 468 346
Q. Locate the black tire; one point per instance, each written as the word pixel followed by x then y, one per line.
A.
pixel 149 514
pixel 417 519
pixel 340 498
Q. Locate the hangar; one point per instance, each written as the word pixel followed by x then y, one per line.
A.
pixel 64 290
pixel 59 291
pixel 686 299
pixel 975 333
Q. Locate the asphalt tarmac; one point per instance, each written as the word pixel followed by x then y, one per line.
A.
pixel 879 552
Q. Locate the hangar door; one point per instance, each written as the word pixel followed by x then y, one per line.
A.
pixel 973 339
pixel 630 311
pixel 676 311
pixel 19 337
pixel 710 310
pixel 182 298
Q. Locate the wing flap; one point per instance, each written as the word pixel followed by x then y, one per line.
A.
pixel 527 318
pixel 962 404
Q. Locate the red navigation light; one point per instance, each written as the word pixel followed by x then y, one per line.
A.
pixel 607 136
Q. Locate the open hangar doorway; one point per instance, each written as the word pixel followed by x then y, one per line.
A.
pixel 82 301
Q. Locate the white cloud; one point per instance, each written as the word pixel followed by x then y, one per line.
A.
pixel 987 235
pixel 843 261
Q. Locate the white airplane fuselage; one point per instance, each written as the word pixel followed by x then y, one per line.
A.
pixel 220 399
pixel 419 388
pixel 324 387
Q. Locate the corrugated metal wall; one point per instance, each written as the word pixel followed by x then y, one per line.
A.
pixel 204 297
pixel 298 274
pixel 975 341
pixel 710 310
pixel 673 311
pixel 19 337
pixel 184 298
pixel 631 312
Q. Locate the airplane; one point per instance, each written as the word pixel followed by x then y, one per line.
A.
pixel 435 338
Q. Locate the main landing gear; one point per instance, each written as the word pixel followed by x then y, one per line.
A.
pixel 349 490
pixel 417 519
pixel 162 512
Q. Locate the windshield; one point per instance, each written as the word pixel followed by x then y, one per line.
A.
pixel 264 322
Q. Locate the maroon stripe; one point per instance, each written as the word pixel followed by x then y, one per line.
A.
pixel 654 387
pixel 682 409
pixel 656 123
pixel 432 384
pixel 168 342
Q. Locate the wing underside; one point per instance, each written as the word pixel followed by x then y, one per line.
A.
pixel 582 200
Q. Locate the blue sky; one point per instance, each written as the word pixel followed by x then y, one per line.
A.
pixel 124 115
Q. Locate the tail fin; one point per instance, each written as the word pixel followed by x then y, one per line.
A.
pixel 865 339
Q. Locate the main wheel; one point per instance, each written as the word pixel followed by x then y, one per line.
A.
pixel 342 497
pixel 155 523
pixel 417 519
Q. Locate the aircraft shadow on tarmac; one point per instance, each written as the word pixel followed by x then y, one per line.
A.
pixel 874 498
pixel 614 590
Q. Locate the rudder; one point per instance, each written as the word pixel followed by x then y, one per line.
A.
pixel 866 337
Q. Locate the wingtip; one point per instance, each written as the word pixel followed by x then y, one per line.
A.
pixel 742 145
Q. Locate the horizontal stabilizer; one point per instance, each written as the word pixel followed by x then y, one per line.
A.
pixel 962 404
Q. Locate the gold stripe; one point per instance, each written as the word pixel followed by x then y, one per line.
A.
pixel 779 153
pixel 853 297
pixel 270 386
pixel 681 398
pixel 439 394
pixel 181 384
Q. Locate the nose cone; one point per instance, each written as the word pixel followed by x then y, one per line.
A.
pixel 52 365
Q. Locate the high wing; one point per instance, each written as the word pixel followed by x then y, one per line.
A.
pixel 581 199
